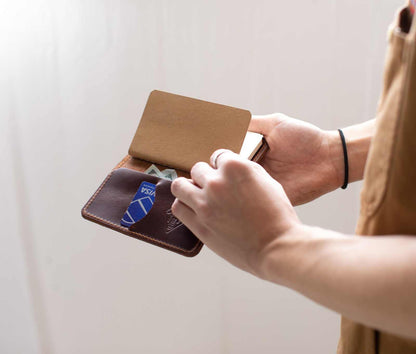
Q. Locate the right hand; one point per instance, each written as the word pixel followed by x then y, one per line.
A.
pixel 305 160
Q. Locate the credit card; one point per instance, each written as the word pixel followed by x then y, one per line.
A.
pixel 140 205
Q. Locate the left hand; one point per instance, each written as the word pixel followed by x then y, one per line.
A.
pixel 235 208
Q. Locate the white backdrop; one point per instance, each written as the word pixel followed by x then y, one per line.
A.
pixel 74 79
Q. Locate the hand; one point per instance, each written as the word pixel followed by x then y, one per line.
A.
pixel 306 160
pixel 236 209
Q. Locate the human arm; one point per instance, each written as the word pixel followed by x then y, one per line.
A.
pixel 307 160
pixel 244 215
pixel 370 280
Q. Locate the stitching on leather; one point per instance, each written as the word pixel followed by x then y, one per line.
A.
pixel 143 236
pixel 98 190
pixel 126 229
pixel 123 162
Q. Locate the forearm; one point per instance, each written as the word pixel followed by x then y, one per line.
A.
pixel 358 138
pixel 371 280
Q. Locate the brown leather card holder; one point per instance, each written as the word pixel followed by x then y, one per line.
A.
pixel 174 132
pixel 159 227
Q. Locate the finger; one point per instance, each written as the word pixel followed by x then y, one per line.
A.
pixel 187 192
pixel 201 172
pixel 220 157
pixel 188 217
pixel 265 123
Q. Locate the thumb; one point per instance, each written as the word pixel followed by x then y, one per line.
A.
pixel 265 123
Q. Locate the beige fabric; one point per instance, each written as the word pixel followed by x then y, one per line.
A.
pixel 388 198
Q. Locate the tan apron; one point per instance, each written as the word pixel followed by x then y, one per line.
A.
pixel 388 198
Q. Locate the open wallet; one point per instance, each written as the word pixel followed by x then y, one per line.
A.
pixel 174 132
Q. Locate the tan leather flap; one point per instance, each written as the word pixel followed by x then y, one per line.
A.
pixel 178 131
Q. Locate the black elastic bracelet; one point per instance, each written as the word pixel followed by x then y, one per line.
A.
pixel 344 148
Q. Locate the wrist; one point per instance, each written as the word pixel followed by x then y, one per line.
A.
pixel 277 259
pixel 293 258
pixel 358 139
pixel 336 159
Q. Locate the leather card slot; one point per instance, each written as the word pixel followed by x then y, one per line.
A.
pixel 109 203
pixel 161 223
pixel 115 195
pixel 187 130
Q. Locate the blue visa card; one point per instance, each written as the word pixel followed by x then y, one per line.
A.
pixel 140 205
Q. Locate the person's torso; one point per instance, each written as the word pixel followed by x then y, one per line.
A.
pixel 388 198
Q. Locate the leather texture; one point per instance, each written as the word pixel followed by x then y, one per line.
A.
pixel 170 117
pixel 179 131
pixel 162 225
pixel 108 205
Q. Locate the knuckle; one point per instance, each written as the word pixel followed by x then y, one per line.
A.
pixel 230 165
pixel 215 185
pixel 175 187
pixel 235 166
pixel 196 167
pixel 216 154
pixel 278 117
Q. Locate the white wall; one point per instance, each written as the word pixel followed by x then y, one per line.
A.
pixel 74 79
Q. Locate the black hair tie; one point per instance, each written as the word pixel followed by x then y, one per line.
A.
pixel 346 169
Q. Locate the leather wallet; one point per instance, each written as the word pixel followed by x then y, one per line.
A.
pixel 174 132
